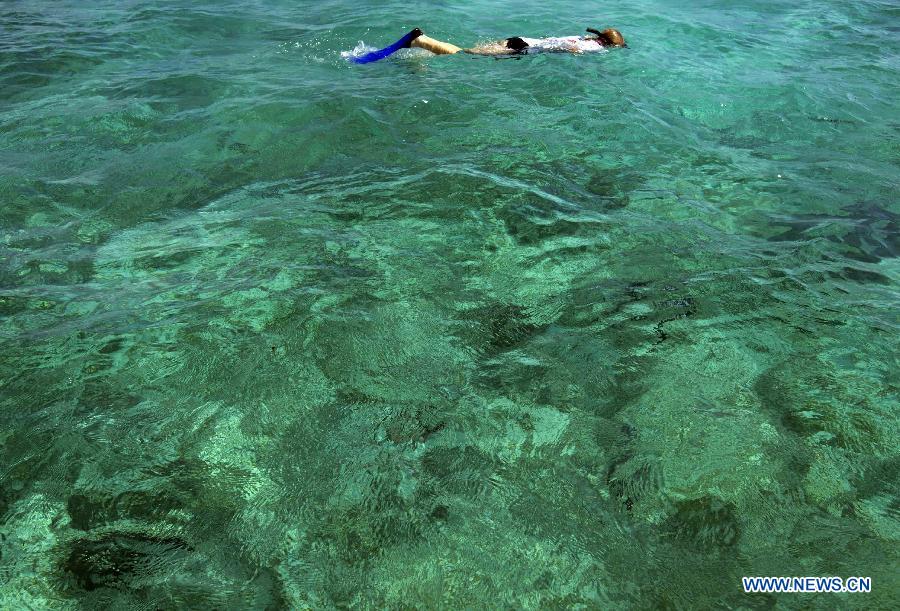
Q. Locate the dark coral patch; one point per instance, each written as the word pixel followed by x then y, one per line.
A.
pixel 706 523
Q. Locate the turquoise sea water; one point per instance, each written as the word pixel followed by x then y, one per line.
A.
pixel 608 331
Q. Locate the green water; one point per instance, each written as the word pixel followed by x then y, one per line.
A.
pixel 607 331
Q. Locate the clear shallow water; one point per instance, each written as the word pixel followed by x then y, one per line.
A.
pixel 607 331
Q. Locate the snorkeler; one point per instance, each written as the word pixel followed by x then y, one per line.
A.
pixel 516 45
pixel 508 46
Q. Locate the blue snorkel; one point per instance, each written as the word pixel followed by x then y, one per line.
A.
pixel 403 43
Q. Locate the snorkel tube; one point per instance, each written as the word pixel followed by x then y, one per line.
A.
pixel 403 43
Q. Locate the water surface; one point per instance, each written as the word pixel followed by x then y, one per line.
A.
pixel 606 331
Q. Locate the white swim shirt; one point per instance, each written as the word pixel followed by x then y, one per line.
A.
pixel 562 43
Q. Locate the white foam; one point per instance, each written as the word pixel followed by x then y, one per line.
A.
pixel 358 51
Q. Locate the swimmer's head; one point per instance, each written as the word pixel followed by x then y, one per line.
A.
pixel 609 37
